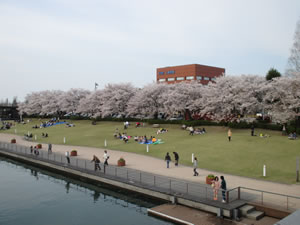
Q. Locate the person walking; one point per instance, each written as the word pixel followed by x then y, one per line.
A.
pixel 283 130
pixel 216 187
pixel 105 157
pixel 252 130
pixel 195 165
pixel 168 159
pixel 229 134
pixel 223 187
pixel 176 156
pixel 67 154
pixel 49 148
pixel 96 160
pixel 31 149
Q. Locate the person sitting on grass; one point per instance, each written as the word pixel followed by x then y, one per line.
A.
pixel 125 139
pixel 191 131
pixel 264 135
pixel 161 130
pixel 293 136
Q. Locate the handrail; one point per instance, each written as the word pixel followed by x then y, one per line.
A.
pixel 168 185
pixel 268 192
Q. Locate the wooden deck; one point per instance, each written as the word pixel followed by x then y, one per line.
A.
pixel 179 214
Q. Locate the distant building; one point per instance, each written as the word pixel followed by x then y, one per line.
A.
pixel 8 112
pixel 200 73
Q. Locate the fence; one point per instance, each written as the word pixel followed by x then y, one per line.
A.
pixel 270 199
pixel 172 186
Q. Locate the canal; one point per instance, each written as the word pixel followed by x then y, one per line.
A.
pixel 29 195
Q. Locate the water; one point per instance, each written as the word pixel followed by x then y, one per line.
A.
pixel 32 196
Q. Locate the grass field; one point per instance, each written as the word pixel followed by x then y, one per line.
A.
pixel 244 155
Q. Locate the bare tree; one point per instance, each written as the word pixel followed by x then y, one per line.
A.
pixel 294 60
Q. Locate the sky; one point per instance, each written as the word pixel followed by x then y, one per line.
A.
pixel 64 44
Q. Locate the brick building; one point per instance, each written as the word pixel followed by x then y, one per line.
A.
pixel 201 73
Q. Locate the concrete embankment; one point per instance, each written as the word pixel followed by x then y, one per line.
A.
pixel 128 185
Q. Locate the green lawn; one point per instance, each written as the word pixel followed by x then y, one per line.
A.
pixel 244 155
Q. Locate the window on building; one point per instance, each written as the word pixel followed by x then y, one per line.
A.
pixel 171 79
pixel 199 78
pixel 206 78
pixel 190 77
pixel 161 73
pixel 161 80
pixel 213 78
pixel 179 78
pixel 171 72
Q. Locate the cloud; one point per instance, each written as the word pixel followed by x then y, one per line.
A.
pixel 119 40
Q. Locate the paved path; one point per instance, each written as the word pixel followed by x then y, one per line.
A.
pixel 158 166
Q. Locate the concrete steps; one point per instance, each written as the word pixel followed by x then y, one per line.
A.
pixel 250 212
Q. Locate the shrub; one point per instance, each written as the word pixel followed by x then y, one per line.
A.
pixel 211 176
pixel 121 160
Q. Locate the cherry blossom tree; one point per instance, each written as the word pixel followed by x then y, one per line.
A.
pixel 148 101
pixel 91 104
pixel 232 97
pixel 115 98
pixel 70 100
pixel 181 96
pixel 293 67
pixel 32 104
pixel 282 98
pixel 50 102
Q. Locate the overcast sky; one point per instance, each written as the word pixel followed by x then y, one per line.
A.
pixel 63 44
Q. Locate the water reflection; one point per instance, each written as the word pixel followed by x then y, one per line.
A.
pixel 98 193
pixel 96 196
pixel 67 186
pixel 34 173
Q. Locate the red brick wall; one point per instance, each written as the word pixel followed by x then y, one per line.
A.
pixel 189 70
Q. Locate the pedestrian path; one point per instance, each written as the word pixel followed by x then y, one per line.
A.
pixel 158 166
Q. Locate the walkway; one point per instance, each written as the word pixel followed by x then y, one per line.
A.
pixel 158 166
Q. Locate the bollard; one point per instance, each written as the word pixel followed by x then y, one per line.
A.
pixel 105 144
pixel 147 148
pixel 35 137
pixel 64 140
pixel 297 170
pixel 192 157
pixel 264 170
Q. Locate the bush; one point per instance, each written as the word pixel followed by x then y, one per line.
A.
pixel 211 176
pixel 121 159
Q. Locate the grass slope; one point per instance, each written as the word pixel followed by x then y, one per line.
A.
pixel 244 155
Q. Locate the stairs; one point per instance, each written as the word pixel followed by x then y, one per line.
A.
pixel 250 212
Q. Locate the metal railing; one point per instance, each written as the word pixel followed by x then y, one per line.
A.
pixel 271 199
pixel 175 187
pixel 172 186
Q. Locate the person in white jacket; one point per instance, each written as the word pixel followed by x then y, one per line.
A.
pixel 105 157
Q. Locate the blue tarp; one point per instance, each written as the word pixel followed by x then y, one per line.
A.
pixel 58 123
